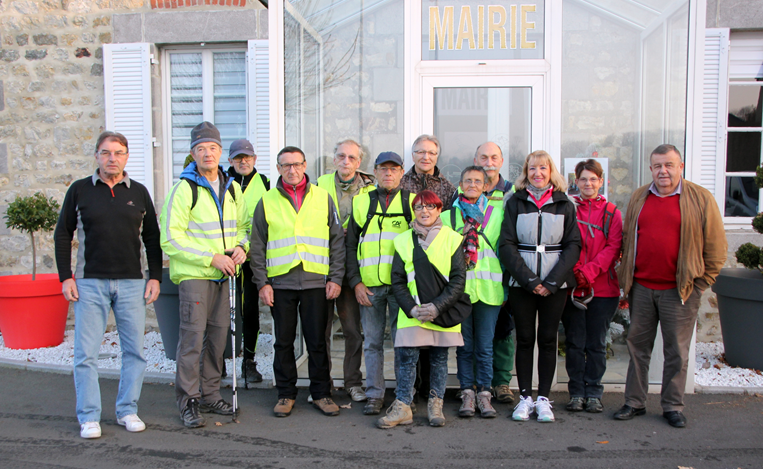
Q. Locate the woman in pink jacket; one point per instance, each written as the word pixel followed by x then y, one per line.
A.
pixel 587 315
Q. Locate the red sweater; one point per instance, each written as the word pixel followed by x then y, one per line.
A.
pixel 659 237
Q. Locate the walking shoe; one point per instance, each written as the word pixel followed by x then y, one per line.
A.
pixel 483 404
pixel 249 371
pixel 397 414
pixel 467 403
pixel 132 423
pixel 593 405
pixel 190 415
pixel 675 418
pixel 434 410
pixel 503 394
pixel 283 407
pixel 357 394
pixel 90 430
pixel 543 409
pixel 576 404
pixel 373 406
pixel 309 398
pixel 220 407
pixel 327 406
pixel 627 412
pixel 523 410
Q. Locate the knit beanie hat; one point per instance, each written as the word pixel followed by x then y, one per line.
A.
pixel 205 132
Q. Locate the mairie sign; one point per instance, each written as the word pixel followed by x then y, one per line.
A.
pixel 470 30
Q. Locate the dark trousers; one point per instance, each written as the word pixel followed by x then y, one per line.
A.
pixel 247 303
pixel 311 308
pixel 526 307
pixel 676 320
pixel 586 332
pixel 348 310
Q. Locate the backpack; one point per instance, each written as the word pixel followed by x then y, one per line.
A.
pixel 195 192
pixel 374 202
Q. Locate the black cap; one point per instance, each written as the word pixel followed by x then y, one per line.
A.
pixel 388 157
pixel 205 132
pixel 241 146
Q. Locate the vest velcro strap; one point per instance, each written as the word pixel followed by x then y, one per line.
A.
pixel 484 275
pixel 369 261
pixel 539 248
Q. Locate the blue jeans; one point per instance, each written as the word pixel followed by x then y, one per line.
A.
pixel 586 343
pixel 96 298
pixel 374 323
pixel 405 371
pixel 478 331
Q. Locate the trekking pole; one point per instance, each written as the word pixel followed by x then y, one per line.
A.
pixel 232 294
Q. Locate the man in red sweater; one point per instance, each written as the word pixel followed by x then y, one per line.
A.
pixel 674 246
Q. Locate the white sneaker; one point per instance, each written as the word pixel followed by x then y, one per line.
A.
pixel 90 430
pixel 543 409
pixel 310 399
pixel 132 423
pixel 523 410
pixel 357 394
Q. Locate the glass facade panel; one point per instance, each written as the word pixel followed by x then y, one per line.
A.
pixel 186 104
pixel 741 197
pixel 742 151
pixel 464 116
pixel 745 106
pixel 230 97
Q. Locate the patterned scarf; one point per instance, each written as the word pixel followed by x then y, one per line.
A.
pixel 473 216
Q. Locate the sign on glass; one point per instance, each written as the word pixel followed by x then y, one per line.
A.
pixel 475 30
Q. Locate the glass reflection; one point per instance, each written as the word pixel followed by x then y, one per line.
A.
pixel 745 106
pixel 741 197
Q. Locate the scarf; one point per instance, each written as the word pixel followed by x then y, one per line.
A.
pixel 539 196
pixel 473 216
pixel 423 232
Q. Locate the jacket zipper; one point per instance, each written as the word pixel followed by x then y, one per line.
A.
pixel 540 227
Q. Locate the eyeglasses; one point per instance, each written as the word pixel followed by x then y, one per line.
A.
pixel 288 166
pixel 473 182
pixel 586 180
pixel 420 207
pixel 433 154
pixel 387 169
pixel 350 158
pixel 107 153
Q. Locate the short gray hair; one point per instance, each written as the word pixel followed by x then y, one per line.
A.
pixel 361 152
pixel 476 168
pixel 427 138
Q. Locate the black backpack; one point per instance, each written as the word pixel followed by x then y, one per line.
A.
pixel 195 192
pixel 374 203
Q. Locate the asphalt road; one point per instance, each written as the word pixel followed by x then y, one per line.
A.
pixel 38 429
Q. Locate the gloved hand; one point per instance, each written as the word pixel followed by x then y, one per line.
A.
pixel 581 279
pixel 428 312
pixel 417 312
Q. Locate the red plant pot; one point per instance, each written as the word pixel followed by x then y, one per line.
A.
pixel 32 313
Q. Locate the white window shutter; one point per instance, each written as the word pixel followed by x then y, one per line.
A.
pixel 258 102
pixel 714 97
pixel 127 80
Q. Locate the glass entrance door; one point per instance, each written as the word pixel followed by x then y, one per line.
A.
pixel 467 112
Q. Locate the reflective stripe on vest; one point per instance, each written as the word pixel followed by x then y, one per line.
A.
pixel 376 248
pixel 439 252
pixel 295 238
pixel 485 282
pixel 328 182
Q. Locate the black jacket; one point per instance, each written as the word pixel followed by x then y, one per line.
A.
pixel 554 226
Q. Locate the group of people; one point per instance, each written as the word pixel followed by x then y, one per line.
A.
pixel 443 266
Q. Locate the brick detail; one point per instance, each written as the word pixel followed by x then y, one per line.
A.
pixel 170 4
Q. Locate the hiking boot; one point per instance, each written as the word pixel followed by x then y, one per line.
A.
pixel 373 406
pixel 543 409
pixel 327 406
pixel 397 414
pixel 593 405
pixel 249 371
pixel 523 410
pixel 283 407
pixel 576 404
pixel 434 411
pixel 467 403
pixel 357 394
pixel 220 407
pixel 483 404
pixel 190 415
pixel 90 430
pixel 503 394
pixel 132 423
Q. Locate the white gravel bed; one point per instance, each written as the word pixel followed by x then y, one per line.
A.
pixel 711 371
pixel 153 349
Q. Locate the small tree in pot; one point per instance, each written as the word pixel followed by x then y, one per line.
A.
pixel 30 215
pixel 748 254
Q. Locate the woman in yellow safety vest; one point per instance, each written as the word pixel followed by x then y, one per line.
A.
pixel 436 252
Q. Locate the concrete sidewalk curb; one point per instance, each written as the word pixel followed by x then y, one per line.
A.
pixel 150 377
pixel 751 390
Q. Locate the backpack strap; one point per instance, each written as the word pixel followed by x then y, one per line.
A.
pixel 609 212
pixel 406 199
pixel 373 197
pixel 374 203
pixel 195 192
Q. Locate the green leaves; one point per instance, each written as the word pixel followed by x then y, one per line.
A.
pixel 749 255
pixel 33 213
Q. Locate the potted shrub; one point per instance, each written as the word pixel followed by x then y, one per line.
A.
pixel 32 308
pixel 740 302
